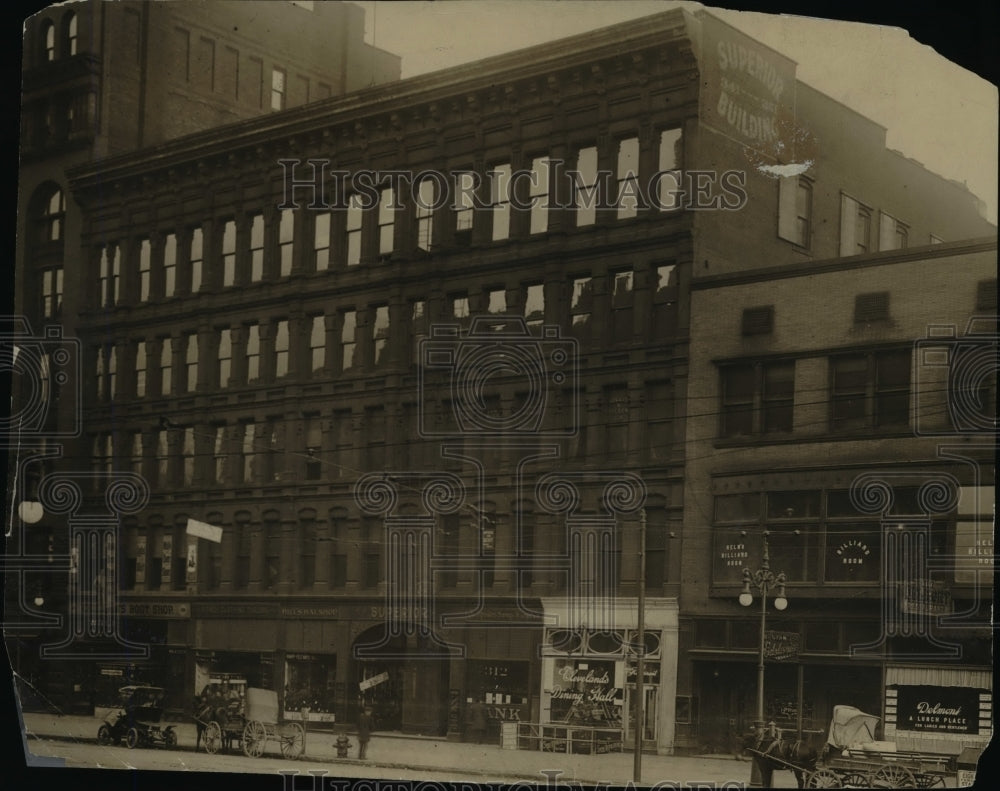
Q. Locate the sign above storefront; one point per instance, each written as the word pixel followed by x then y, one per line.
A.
pixel 782 645
pixel 155 610
pixel 937 709
pixel 924 598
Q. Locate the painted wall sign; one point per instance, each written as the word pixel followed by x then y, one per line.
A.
pixel 155 610
pixel 937 709
pixel 747 88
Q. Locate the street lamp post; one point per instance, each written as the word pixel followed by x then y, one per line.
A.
pixel 763 579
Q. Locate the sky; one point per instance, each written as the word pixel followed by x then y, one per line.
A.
pixel 934 111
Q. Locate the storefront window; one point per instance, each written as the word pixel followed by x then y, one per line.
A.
pixel 310 683
pixel 586 692
pixel 502 686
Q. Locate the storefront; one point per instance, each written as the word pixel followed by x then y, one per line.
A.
pixel 503 686
pixel 311 686
pixel 938 710
pixel 588 678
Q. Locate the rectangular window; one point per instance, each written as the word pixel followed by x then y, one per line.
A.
pixel 621 307
pixel 460 310
pixel 465 187
pixel 348 339
pixel 166 366
pixel 100 371
pixel 375 436
pixel 281 349
pixel 355 215
pixel 135 452
pixel 286 240
pixel 272 451
pixel 380 335
pixel 306 547
pixel 871 307
pixel 229 253
pixel 140 369
pixel 870 390
pixel 162 459
pixel 659 423
pixel 373 569
pixel 225 357
pixel 665 302
pixel 321 242
pixel 277 89
pixel 627 184
pixel 52 292
pixel 539 194
pixel 534 307
pixel 256 248
pixel 758 321
pixel 500 201
pixel 145 262
pixel 247 460
pixel 585 186
pixel 855 227
pixel 418 327
pixel 426 196
pixel 892 234
pixel 187 456
pixel 110 275
pixel 317 343
pixel 219 454
pixel 253 353
pixel 669 186
pixel 580 307
pixel 196 260
pixel 313 431
pixel 170 265
pixel 616 407
pixel 386 220
pixel 497 301
pixel 757 399
pixel 191 363
pixel 795 210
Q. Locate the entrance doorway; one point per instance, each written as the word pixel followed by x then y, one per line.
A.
pixel 650 710
pixel 404 679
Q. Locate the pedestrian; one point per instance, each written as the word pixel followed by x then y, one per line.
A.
pixel 364 731
pixel 477 721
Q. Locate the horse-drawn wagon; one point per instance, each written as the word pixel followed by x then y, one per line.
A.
pixel 249 722
pixel 850 758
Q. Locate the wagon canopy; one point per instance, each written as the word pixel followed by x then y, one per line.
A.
pixel 851 726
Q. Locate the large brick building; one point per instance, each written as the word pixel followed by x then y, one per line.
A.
pixel 100 79
pixel 401 450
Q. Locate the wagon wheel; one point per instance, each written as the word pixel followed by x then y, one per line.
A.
pixel 931 781
pixel 893 776
pixel 213 737
pixel 104 735
pixel 170 738
pixel 254 739
pixel 855 780
pixel 823 778
pixel 131 738
pixel 293 740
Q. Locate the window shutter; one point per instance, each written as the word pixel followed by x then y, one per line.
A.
pixel 886 232
pixel 848 215
pixel 787 225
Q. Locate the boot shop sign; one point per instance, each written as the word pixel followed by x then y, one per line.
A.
pixel 937 709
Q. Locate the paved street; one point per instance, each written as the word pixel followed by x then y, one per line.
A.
pixel 389 757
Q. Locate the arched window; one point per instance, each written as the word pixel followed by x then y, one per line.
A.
pixel 49 37
pixel 47 233
pixel 69 25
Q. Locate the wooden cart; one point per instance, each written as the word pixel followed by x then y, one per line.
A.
pixel 252 726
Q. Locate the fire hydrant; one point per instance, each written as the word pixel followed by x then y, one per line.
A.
pixel 343 744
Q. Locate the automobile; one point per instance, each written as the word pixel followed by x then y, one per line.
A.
pixel 136 721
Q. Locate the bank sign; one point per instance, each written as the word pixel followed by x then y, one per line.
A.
pixel 747 89
pixel 937 709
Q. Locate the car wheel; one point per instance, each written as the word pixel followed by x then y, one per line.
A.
pixel 131 738
pixel 104 735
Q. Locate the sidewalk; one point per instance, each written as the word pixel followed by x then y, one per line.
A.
pixel 446 759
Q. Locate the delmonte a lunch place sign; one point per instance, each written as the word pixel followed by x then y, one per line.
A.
pixel 938 709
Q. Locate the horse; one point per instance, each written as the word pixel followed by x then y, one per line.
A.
pixel 773 752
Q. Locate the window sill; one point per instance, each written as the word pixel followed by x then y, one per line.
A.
pixel 757 440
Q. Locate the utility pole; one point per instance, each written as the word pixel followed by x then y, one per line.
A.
pixel 640 669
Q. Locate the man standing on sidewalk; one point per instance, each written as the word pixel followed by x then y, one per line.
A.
pixel 364 731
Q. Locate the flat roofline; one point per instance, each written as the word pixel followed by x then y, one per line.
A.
pixel 845 263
